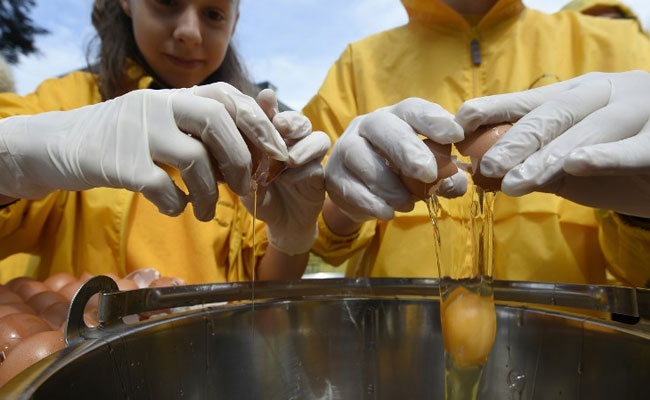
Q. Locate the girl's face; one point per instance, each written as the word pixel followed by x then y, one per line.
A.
pixel 183 41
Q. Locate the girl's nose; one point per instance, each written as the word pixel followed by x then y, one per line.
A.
pixel 188 28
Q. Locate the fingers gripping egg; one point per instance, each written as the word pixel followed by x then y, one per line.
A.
pixel 468 326
pixel 475 145
pixel 446 168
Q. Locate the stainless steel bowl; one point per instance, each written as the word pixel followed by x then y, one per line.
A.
pixel 340 339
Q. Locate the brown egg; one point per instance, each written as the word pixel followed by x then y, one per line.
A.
pixel 30 351
pixel 56 314
pixel 17 281
pixel 265 169
pixel 475 145
pixel 468 326
pixel 15 308
pixel 27 289
pixel 7 296
pixel 69 290
pixel 43 300
pixel 167 281
pixel 446 168
pixel 85 276
pixel 93 303
pixel 57 281
pixel 126 284
pixel 90 318
pixel 15 327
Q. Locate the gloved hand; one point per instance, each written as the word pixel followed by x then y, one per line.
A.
pixel 586 139
pixel 290 204
pixel 357 175
pixel 117 144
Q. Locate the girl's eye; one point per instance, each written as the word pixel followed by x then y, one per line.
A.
pixel 214 15
pixel 166 2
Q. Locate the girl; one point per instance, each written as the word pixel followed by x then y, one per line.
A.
pixel 65 168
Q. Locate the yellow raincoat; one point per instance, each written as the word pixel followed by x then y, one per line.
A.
pixel 113 230
pixel 441 57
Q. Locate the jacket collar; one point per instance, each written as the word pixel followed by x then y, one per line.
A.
pixel 435 12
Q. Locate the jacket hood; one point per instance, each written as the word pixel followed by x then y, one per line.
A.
pixel 435 11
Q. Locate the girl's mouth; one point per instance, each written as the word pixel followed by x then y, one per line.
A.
pixel 184 62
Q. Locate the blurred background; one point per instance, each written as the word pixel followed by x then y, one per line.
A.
pixel 286 42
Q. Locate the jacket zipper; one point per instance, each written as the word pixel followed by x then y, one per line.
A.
pixel 477 59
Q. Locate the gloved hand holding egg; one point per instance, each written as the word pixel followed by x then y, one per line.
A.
pixel 290 202
pixel 586 139
pixel 119 144
pixel 380 157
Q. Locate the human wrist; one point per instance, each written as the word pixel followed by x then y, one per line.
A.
pixel 337 222
pixel 297 242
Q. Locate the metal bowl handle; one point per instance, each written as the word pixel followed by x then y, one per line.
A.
pixel 76 329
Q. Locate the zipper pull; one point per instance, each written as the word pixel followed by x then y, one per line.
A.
pixel 475 47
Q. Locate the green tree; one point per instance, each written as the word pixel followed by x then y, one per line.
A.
pixel 17 30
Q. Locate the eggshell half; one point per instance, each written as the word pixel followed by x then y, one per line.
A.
pixel 446 168
pixel 475 145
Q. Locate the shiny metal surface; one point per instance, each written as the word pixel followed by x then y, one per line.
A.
pixel 113 306
pixel 385 344
pixel 75 329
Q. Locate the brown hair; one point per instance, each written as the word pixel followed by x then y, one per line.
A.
pixel 117 46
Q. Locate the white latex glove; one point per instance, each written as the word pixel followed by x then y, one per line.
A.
pixel 117 144
pixel 290 204
pixel 357 175
pixel 586 139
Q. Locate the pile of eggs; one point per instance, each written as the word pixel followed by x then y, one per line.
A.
pixel 33 314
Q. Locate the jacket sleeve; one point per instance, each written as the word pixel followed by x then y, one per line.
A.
pixel 72 91
pixel 330 111
pixel 21 224
pixel 336 249
pixel 626 248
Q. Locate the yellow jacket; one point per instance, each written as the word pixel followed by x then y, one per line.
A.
pixel 537 237
pixel 112 230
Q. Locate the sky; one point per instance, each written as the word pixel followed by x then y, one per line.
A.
pixel 287 42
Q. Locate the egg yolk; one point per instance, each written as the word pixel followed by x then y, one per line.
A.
pixel 468 326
